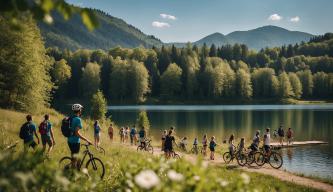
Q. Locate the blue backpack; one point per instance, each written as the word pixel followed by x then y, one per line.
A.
pixel 25 131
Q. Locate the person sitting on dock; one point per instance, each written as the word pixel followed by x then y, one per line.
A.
pixel 290 135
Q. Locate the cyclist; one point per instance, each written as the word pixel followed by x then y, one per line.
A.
pixel 241 145
pixel 133 135
pixel 97 129
pixel 204 144
pixel 168 145
pixel 27 132
pixel 183 143
pixel 142 137
pixel 255 142
pixel 267 141
pixel 212 145
pixel 46 133
pixel 74 140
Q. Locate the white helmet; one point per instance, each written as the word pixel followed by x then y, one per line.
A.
pixel 77 107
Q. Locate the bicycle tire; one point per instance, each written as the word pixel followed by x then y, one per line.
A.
pixel 94 166
pixel 150 149
pixel 275 157
pixel 176 156
pixel 241 159
pixel 250 158
pixel 227 157
pixel 259 158
pixel 62 160
pixel 139 148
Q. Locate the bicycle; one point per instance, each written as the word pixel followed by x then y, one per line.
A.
pixel 100 149
pixel 238 155
pixel 93 164
pixel 146 147
pixel 272 157
pixel 195 149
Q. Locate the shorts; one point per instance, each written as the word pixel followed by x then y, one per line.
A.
pixel 31 144
pixel 74 147
pixel 46 139
pixel 267 148
pixel 212 149
pixel 142 139
pixel 97 135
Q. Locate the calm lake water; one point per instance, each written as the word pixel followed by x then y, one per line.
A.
pixel 309 122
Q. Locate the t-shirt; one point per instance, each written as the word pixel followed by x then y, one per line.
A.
pixel 133 131
pixel 256 140
pixel 48 128
pixel 168 140
pixel 97 129
pixel 76 123
pixel 195 142
pixel 212 144
pixel 204 141
pixel 142 133
pixel 32 128
pixel 267 139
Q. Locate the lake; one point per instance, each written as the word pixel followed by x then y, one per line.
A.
pixel 309 122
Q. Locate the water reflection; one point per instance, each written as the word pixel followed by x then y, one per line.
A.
pixel 312 122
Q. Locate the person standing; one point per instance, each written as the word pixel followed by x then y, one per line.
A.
pixel 281 134
pixel 122 135
pixel 142 137
pixel 111 132
pixel 165 133
pixel 267 141
pixel 73 141
pixel 204 144
pixel 97 133
pixel 168 145
pixel 46 132
pixel 290 135
pixel 133 135
pixel 27 132
pixel 127 131
pixel 212 145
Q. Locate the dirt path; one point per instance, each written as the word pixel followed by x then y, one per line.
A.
pixel 266 170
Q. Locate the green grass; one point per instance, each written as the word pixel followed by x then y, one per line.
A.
pixel 122 164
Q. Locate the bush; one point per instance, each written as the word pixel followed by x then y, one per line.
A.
pixel 98 106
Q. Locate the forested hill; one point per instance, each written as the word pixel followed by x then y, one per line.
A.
pixel 266 36
pixel 112 32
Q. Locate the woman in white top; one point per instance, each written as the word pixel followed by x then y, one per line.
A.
pixel 267 141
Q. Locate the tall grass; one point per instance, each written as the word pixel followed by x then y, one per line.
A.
pixel 126 169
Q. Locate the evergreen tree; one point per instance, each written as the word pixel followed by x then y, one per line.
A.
pixel 213 51
pixel 143 121
pixel 320 84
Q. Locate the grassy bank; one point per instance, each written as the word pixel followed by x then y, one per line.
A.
pixel 124 168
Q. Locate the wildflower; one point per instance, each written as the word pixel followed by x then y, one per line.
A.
pixel 224 183
pixel 85 171
pixel 174 176
pixel 147 179
pixel 246 178
pixel 196 178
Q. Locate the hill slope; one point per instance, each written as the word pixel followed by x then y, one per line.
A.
pixel 266 36
pixel 112 32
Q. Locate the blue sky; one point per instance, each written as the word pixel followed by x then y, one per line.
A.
pixel 190 20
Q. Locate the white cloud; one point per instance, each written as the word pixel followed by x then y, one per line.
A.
pixel 295 19
pixel 158 24
pixel 166 16
pixel 275 17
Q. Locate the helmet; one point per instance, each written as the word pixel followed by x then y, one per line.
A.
pixel 77 107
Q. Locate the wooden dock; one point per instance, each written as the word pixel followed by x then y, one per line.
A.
pixel 298 144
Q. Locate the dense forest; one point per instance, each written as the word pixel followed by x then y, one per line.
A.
pixel 33 76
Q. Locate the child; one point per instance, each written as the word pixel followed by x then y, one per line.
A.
pixel 212 145
pixel 183 143
pixel 231 144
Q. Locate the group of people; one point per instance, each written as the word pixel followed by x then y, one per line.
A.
pixel 126 132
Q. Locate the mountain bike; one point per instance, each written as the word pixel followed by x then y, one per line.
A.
pixel 273 158
pixel 94 165
pixel 238 155
pixel 146 146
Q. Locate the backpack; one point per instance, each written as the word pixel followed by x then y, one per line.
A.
pixel 43 128
pixel 25 131
pixel 168 140
pixel 66 129
pixel 281 132
pixel 212 144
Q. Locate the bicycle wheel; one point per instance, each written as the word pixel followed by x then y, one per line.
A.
pixel 95 167
pixel 176 156
pixel 275 160
pixel 150 149
pixel 250 158
pixel 259 158
pixel 139 148
pixel 65 163
pixel 241 159
pixel 227 157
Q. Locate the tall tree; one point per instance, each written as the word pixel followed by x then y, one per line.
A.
pixel 171 81
pixel 285 88
pixel 90 81
pixel 296 85
pixel 243 84
pixel 307 82
pixel 137 81
pixel 98 106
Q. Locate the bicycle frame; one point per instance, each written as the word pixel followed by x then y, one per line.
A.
pixel 87 153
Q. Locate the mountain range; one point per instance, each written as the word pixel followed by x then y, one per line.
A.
pixel 112 32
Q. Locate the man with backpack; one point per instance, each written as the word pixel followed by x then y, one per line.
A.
pixel 46 133
pixel 27 132
pixel 133 135
pixel 71 129
pixel 281 134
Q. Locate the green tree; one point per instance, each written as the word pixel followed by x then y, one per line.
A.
pixel 137 80
pixel 307 82
pixel 171 81
pixel 265 83
pixel 25 82
pixel 320 84
pixel 213 81
pixel 285 88
pixel 90 81
pixel 61 72
pixel 243 84
pixel 118 80
pixel 98 106
pixel 143 121
pixel 296 85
